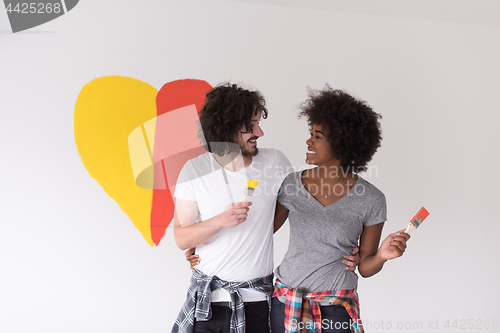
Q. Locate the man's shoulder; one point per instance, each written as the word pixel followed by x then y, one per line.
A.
pixel 200 159
pixel 274 159
pixel 195 167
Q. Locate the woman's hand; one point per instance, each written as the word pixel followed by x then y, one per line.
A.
pixel 192 258
pixel 372 256
pixel 393 246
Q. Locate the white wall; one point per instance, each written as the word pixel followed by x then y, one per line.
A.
pixel 71 261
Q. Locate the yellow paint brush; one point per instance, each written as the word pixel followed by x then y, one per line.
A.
pixel 251 185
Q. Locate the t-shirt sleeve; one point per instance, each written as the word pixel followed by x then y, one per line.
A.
pixel 378 210
pixel 285 191
pixel 184 189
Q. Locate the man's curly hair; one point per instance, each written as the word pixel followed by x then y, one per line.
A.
pixel 352 127
pixel 227 109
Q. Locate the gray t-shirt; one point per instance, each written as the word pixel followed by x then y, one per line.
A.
pixel 320 236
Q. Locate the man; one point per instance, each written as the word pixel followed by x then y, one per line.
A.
pixel 231 289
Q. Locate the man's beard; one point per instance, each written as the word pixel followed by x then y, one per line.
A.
pixel 248 152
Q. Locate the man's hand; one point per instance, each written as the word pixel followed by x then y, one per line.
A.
pixel 192 258
pixel 234 214
pixel 352 261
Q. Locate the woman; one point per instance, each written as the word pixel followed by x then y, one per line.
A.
pixel 329 208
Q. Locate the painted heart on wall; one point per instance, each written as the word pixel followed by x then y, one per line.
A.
pixel 133 140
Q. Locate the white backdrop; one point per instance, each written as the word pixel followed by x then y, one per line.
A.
pixel 71 260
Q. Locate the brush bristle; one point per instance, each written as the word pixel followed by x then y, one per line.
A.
pixel 252 184
pixel 419 217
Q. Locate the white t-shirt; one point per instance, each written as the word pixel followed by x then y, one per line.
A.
pixel 243 252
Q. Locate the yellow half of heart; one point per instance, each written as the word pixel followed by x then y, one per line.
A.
pixel 107 110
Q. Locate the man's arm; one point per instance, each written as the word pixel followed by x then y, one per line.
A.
pixel 188 233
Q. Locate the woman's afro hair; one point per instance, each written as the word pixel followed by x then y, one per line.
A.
pixel 352 127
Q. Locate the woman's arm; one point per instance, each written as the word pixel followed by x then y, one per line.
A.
pixel 372 259
pixel 280 215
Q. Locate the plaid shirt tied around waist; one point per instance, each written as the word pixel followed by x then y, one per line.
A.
pixel 304 308
pixel 198 302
